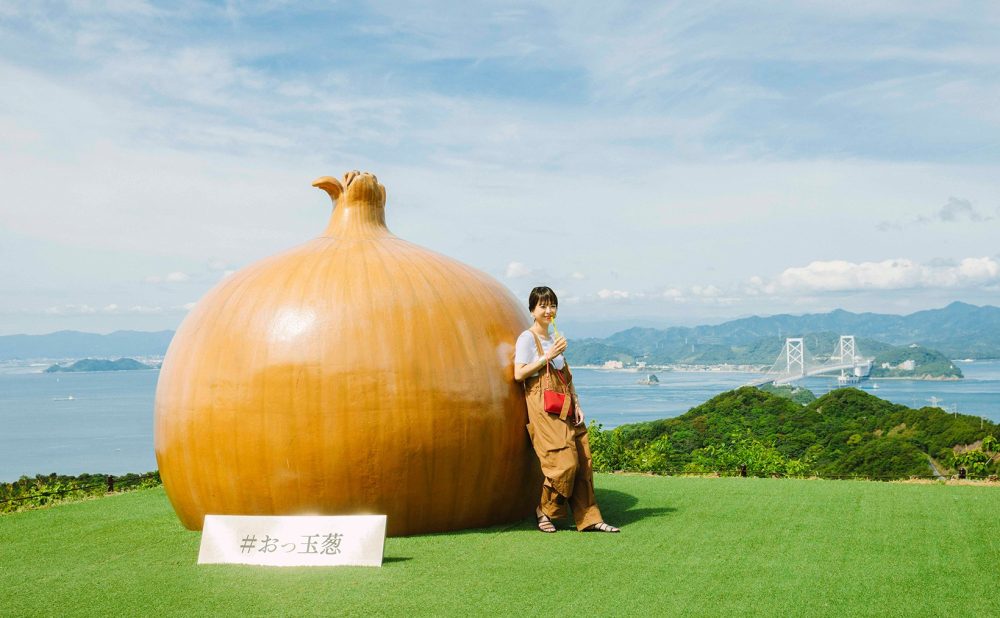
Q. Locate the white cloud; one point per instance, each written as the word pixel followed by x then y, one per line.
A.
pixel 516 270
pixel 954 210
pixel 578 276
pixel 897 274
pixel 607 294
pixel 171 277
pixel 73 309
pixel 70 309
pixel 708 291
pixel 702 294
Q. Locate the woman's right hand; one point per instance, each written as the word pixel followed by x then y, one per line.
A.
pixel 558 347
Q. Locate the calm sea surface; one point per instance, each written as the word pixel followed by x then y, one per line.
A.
pixel 107 426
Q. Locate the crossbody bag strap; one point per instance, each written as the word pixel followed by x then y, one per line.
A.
pixel 541 354
pixel 538 344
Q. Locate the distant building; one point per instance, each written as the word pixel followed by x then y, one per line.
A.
pixel 613 364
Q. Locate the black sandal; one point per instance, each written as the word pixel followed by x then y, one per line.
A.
pixel 600 527
pixel 545 524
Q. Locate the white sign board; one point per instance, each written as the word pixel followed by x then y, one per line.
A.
pixel 305 540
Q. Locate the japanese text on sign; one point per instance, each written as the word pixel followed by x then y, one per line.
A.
pixel 330 544
pixel 308 540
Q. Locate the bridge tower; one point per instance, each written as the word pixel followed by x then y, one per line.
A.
pixel 795 356
pixel 847 349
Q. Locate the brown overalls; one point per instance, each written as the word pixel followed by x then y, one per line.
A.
pixel 562 449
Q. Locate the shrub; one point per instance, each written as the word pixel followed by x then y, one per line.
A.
pixel 45 490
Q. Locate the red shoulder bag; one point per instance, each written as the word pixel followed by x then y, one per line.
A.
pixel 553 401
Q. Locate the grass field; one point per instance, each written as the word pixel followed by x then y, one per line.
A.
pixel 689 546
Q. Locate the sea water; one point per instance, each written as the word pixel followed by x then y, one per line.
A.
pixel 102 422
pixel 617 397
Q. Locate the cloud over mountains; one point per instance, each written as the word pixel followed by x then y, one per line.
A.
pixel 896 274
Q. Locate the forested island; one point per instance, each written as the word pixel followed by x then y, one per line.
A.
pixel 914 361
pixel 845 433
pixel 99 364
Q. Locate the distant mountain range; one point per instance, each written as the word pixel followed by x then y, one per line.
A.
pixel 74 344
pixel 959 330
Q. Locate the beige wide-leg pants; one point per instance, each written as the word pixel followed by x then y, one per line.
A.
pixel 564 453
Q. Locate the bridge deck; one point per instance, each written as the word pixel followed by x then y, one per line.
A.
pixel 815 371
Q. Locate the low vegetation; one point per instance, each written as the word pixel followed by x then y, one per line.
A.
pixel 798 394
pixel 845 433
pixel 46 490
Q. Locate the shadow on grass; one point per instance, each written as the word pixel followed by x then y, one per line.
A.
pixel 618 508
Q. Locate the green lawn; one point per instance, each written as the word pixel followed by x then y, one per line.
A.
pixel 691 546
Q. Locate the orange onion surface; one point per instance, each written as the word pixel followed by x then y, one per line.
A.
pixel 357 373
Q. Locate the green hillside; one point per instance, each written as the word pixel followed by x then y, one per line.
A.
pixel 846 432
pixel 689 546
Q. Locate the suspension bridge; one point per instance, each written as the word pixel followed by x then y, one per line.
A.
pixel 794 364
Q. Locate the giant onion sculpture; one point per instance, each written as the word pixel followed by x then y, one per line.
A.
pixel 357 373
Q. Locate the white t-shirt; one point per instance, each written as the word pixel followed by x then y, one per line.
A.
pixel 525 351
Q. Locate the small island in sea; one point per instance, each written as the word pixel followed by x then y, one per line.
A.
pixel 99 364
pixel 914 362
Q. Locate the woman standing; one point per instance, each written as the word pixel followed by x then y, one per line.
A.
pixel 559 439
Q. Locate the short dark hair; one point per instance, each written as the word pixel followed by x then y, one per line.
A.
pixel 544 295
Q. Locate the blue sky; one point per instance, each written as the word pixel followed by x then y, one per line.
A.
pixel 668 163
